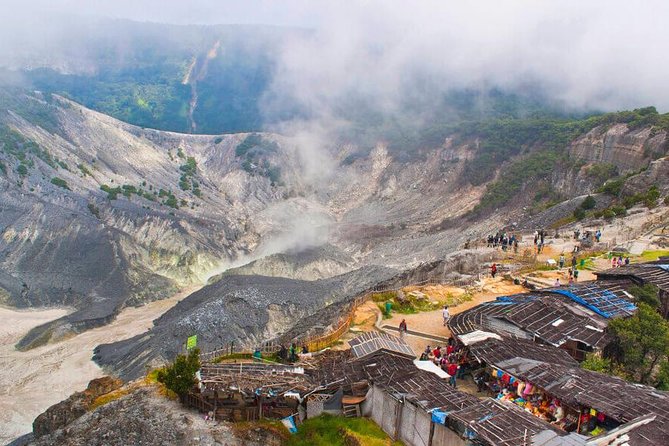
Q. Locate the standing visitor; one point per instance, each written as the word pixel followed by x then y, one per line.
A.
pixel 445 314
pixel 493 270
pixel 403 328
pixel 557 282
pixel 561 261
pixel 452 369
pixel 627 260
pixel 575 275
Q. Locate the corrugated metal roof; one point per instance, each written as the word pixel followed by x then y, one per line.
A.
pixel 373 341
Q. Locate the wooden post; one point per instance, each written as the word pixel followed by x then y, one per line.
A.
pixel 398 419
pixel 215 403
pixel 429 441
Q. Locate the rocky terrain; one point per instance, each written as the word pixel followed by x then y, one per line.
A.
pixel 136 414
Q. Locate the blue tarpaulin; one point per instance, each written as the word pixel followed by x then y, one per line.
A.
pixel 289 422
pixel 438 416
pixel 601 301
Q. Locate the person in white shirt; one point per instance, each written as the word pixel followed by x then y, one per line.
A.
pixel 445 314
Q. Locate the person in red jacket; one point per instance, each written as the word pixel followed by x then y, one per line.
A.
pixel 452 370
pixel 493 270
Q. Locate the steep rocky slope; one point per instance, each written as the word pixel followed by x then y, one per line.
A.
pixel 167 225
pixel 628 149
pixel 245 310
pixel 98 214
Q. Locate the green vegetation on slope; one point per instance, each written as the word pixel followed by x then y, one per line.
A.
pixel 541 141
pixel 255 150
pixel 24 150
pixel 328 430
pixel 60 183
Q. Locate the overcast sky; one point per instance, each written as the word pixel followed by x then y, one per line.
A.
pixel 606 54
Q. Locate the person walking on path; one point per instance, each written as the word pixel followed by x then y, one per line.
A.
pixel 403 328
pixel 493 270
pixel 445 314
pixel 561 261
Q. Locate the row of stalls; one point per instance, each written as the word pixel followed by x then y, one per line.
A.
pixel 576 400
pixel 378 378
pixel 571 318
pixel 524 349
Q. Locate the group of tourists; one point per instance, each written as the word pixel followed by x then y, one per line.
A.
pixel 503 240
pixel 451 359
pixel 290 354
pixel 617 262
pixel 539 239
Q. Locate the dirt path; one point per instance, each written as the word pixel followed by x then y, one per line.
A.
pixel 32 381
pixel 431 322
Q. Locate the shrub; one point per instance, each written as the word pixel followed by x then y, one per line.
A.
pixel 249 142
pixel 94 210
pixel 22 170
pixel 613 187
pixel 600 173
pixel 608 214
pixel 218 140
pixel 179 376
pixel 579 213
pixel 3 168
pixel 190 167
pixel 619 211
pixel 651 196
pixel 112 192
pixel 60 183
pixel 588 203
pixel 84 170
pixel 172 202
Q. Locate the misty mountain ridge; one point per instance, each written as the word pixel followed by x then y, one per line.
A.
pixel 227 78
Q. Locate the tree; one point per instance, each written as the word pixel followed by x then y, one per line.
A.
pixel 647 294
pixel 642 342
pixel 596 363
pixel 662 378
pixel 179 377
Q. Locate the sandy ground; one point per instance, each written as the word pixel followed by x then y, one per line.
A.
pixel 32 381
